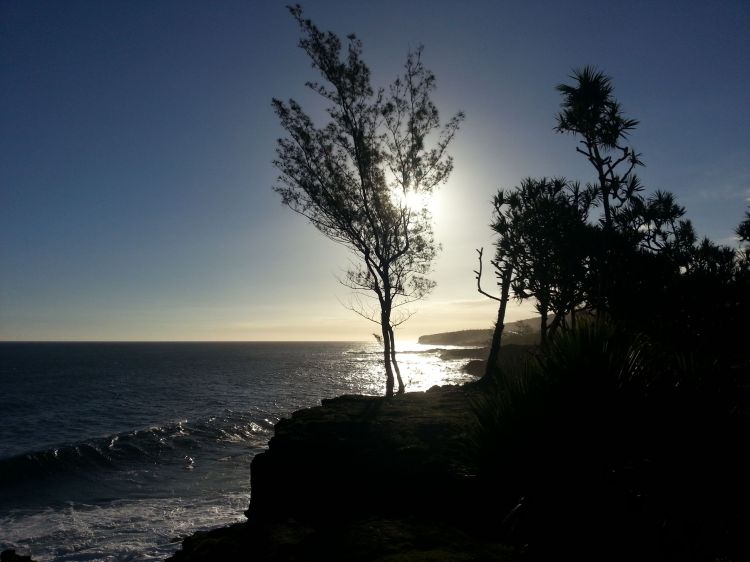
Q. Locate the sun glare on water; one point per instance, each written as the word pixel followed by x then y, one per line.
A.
pixel 422 367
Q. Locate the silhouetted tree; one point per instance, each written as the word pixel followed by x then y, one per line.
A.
pixel 655 223
pixel 551 237
pixel 743 230
pixel 590 111
pixel 630 222
pixel 504 275
pixel 743 233
pixel 540 250
pixel 651 394
pixel 362 179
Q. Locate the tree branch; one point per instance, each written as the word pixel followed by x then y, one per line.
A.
pixel 479 278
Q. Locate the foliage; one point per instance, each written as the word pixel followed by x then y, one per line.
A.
pixel 646 268
pixel 691 296
pixel 608 443
pixel 743 254
pixel 590 111
pixel 629 428
pixel 641 265
pixel 743 230
pixel 542 234
pixel 540 251
pixel 362 179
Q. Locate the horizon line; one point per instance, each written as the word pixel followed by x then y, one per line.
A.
pixel 182 341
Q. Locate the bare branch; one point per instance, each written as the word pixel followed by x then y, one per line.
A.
pixel 478 274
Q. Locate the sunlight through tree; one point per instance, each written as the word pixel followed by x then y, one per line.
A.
pixel 363 179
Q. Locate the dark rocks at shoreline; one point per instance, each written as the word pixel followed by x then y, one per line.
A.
pixel 369 539
pixel 365 452
pixel 368 478
pixel 475 367
pixel 364 478
pixel 511 357
pixel 11 556
pixel 464 353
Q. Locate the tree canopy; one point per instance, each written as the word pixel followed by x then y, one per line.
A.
pixel 641 264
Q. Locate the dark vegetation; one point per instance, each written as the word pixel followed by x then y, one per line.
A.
pixel 638 264
pixel 620 437
pixel 610 447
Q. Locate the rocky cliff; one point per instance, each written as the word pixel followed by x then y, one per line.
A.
pixel 364 478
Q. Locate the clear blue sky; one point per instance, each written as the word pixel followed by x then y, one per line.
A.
pixel 136 140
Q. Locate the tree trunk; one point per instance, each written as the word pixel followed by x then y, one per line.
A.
pixel 604 185
pixel 543 326
pixel 385 324
pixel 401 387
pixel 497 335
pixel 557 322
pixel 605 204
pixel 606 255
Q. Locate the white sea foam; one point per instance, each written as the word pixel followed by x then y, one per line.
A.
pixel 131 530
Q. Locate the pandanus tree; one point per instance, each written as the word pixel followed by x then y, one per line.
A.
pixel 743 233
pixel 363 179
pixel 590 112
pixel 647 256
pixel 540 250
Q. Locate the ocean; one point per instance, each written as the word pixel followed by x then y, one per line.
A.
pixel 115 451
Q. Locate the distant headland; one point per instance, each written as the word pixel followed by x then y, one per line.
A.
pixel 520 332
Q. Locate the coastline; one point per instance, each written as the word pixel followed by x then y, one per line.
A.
pixel 364 478
pixel 370 478
pixel 221 452
pixel 419 476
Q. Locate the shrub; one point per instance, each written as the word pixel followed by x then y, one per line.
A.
pixel 604 439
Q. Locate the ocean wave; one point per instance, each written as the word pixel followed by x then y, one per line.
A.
pixel 172 442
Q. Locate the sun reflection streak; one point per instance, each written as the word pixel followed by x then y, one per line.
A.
pixel 421 368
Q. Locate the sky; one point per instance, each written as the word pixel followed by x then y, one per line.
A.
pixel 137 139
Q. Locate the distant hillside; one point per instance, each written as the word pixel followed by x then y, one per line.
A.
pixel 520 332
pixel 463 337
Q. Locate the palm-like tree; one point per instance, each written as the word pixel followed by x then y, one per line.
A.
pixel 590 111
pixel 743 230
